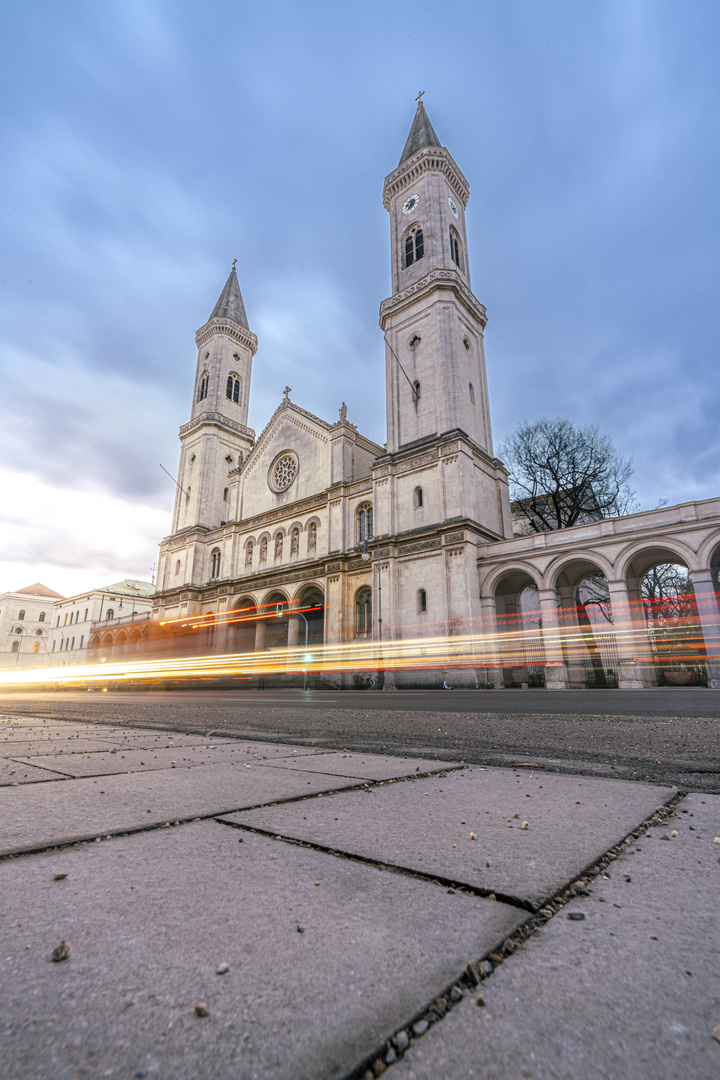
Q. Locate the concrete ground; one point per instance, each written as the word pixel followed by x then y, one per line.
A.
pixel 275 906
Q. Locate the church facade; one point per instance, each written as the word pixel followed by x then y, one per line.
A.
pixel 370 542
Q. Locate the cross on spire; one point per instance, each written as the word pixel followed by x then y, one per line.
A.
pixel 287 393
pixel 420 97
pixel 234 263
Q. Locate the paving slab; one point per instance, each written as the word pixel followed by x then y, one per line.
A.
pixel 57 747
pixel 366 766
pixel 21 772
pixel 41 814
pixel 630 991
pixel 149 919
pixel 426 825
pixel 129 759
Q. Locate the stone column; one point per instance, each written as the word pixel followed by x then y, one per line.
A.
pixel 631 640
pixel 490 642
pixel 555 670
pixel 573 644
pixel 260 635
pixel 296 634
pixel 708 605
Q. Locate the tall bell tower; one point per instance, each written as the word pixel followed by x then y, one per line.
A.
pixel 216 439
pixel 433 324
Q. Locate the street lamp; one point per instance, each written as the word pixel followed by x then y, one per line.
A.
pixel 307 656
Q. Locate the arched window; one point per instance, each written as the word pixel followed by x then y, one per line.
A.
pixel 38 633
pixel 418 497
pixel 203 388
pixel 58 621
pixel 72 643
pixel 421 601
pixel 312 536
pixel 232 389
pixel 36 647
pixel 110 614
pixel 86 615
pixel 66 619
pixel 15 646
pixel 365 522
pixel 363 612
pixel 455 247
pixel 215 564
pixel 177 568
pixel 472 394
pixel 225 495
pixel 249 553
pixel 414 245
pixel 53 648
pixel 41 617
pixel 18 629
pixel 21 615
pixel 416 389
pixel 414 341
pixel 295 541
pixel 187 495
pixel 82 638
pixel 466 343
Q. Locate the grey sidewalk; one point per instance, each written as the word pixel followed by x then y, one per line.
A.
pixel 356 901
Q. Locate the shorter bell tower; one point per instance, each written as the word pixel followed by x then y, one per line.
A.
pixel 216 439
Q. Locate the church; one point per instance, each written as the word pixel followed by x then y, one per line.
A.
pixel 408 540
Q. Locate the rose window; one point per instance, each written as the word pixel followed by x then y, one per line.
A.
pixel 283 472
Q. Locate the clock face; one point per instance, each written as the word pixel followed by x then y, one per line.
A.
pixel 410 204
pixel 453 207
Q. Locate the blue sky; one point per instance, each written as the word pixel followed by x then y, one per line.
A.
pixel 147 143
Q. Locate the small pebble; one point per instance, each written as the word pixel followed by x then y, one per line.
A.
pixel 456 994
pixel 223 969
pixel 60 952
pixel 59 877
pixel 524 825
pixel 576 916
pixel 202 1009
pixel 480 1000
pixel 473 836
pixel 402 1041
pixel 300 928
pixel 420 1027
pixel 674 832
pixel 390 1057
pixel 716 1033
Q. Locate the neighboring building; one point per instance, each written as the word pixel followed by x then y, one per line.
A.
pixel 287 517
pixel 540 514
pixel 25 624
pixel 79 621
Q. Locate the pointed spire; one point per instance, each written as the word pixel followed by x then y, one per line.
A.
pixel 230 302
pixel 421 134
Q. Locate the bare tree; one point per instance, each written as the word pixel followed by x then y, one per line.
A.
pixel 563 475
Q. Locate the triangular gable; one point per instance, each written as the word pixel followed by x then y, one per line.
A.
pixel 286 410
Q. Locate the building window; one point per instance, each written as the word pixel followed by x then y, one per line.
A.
pixel 85 615
pixel 58 621
pixel 416 390
pixel 466 343
pixel 82 638
pixel 414 246
pixel 177 568
pixel 365 522
pixel 36 647
pixel 225 495
pixel 21 615
pixel 53 648
pixel 204 382
pixel 187 495
pixel 418 497
pixel 421 601
pixel 15 646
pixel 472 395
pixel 41 617
pixel 415 341
pixel 455 247
pixel 110 614
pixel 72 643
pixel 66 619
pixel 312 536
pixel 38 633
pixel 215 564
pixel 363 612
pixel 249 553
pixel 232 389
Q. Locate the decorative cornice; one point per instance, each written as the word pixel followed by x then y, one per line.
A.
pixel 230 329
pixel 430 158
pixel 217 420
pixel 444 279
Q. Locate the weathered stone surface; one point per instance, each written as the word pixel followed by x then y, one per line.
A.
pixel 629 992
pixel 150 917
pixel 366 766
pixel 426 824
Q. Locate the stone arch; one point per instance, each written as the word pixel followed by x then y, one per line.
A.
pixel 491 581
pixel 519 626
pixel 275 634
pixel 708 555
pixel 243 624
pixel 586 618
pixel 635 559
pixel 310 596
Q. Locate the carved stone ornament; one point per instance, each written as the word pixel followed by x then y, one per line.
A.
pixel 283 471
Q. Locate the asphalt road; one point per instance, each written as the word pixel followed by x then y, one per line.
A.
pixel 663 736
